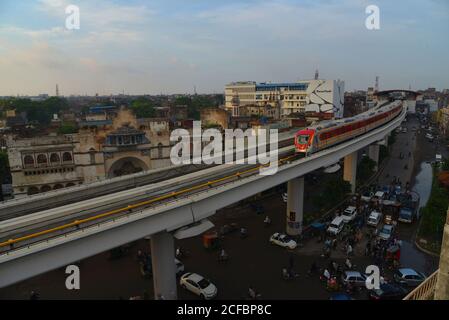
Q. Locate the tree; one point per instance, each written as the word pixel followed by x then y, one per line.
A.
pixel 335 190
pixel 445 165
pixel 195 104
pixel 365 169
pixel 38 111
pixel 5 173
pixel 67 128
pixel 143 108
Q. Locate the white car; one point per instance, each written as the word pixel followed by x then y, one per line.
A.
pixel 349 214
pixel 366 196
pixel 336 226
pixel 283 241
pixel 198 285
pixel 374 218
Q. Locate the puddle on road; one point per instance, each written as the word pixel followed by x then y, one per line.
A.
pixel 410 255
pixel 423 183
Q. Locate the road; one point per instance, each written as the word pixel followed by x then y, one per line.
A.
pixel 253 261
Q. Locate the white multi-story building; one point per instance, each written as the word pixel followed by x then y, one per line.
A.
pixel 309 96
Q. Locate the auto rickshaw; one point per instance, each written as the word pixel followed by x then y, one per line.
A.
pixel 211 240
pixel 393 256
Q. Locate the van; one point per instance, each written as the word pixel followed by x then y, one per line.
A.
pixel 374 218
pixel 336 226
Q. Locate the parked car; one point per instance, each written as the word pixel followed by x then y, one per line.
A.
pixel 386 232
pixel 404 130
pixel 387 291
pixel 379 196
pixel 406 215
pixel 374 218
pixel 366 196
pixel 198 285
pixel 336 226
pixel 349 214
pixel 353 277
pixel 283 240
pixel 408 277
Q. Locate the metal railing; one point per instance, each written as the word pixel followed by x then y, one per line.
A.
pixel 426 290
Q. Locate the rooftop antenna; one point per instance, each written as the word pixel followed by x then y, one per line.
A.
pixel 376 87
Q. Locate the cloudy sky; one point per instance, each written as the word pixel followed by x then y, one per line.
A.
pixel 170 46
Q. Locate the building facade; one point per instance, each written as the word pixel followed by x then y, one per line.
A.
pixel 443 121
pixel 108 144
pixel 310 96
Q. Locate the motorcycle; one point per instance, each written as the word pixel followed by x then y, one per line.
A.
pixel 332 285
pixel 286 275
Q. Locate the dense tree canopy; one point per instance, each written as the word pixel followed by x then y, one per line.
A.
pixel 196 103
pixel 36 111
pixel 335 190
pixel 143 108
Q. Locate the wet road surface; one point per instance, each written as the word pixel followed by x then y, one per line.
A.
pixel 253 261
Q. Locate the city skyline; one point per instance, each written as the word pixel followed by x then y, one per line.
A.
pixel 169 47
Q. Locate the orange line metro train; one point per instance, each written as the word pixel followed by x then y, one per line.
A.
pixel 329 133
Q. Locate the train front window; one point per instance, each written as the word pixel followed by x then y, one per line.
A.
pixel 303 139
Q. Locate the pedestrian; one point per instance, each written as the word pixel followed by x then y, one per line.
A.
pixel 349 250
pixel 334 266
pixel 141 256
pixel 223 255
pixel 367 250
pixel 267 221
pixel 251 292
pixel 313 268
pixel 291 262
pixel 326 274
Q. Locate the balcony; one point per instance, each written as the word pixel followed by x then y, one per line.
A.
pixel 426 290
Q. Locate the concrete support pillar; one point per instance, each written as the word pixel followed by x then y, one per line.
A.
pixel 295 204
pixel 350 169
pixel 164 268
pixel 373 153
pixel 442 286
